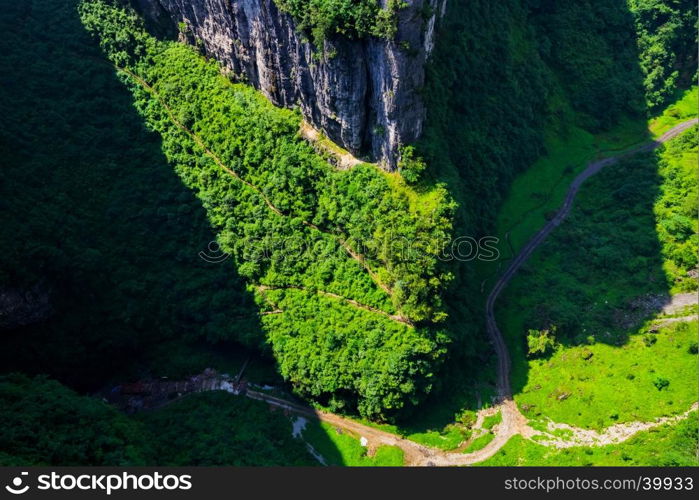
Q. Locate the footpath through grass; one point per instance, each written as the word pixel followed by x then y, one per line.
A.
pixel 627 244
pixel 629 241
pixel 541 189
pixel 534 195
pixel 669 445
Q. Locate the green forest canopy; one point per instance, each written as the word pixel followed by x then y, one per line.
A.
pixel 351 320
pixel 351 18
pixel 77 203
pixel 114 248
pixel 45 423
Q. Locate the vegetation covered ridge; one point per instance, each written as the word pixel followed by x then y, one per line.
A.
pixel 291 220
pixel 351 18
pixel 358 257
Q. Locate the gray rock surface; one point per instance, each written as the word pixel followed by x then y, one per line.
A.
pixel 365 96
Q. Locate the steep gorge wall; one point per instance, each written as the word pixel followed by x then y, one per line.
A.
pixel 363 93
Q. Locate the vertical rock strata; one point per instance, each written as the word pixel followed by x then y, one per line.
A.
pixel 363 93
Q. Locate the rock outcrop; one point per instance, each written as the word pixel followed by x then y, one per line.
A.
pixel 364 94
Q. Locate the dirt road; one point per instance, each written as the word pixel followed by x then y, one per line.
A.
pixel 511 417
pixel 513 422
pixel 592 169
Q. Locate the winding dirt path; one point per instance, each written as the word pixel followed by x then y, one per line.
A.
pixel 613 434
pixel 342 159
pixel 680 301
pixel 513 422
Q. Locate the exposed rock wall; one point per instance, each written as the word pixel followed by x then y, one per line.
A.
pixel 364 94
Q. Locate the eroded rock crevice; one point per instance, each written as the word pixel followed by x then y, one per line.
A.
pixel 364 94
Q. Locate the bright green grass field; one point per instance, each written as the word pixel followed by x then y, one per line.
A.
pixel 539 191
pixel 668 445
pixel 684 109
pixel 615 384
pixel 480 442
pixel 341 448
pixel 602 389
pixel 542 187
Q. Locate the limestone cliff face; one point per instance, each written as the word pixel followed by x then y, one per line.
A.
pixel 364 94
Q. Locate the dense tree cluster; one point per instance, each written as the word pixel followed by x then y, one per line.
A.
pixel 216 428
pixel 616 57
pixel 667 43
pixel 504 75
pixel 347 357
pixel 351 18
pixel 504 72
pixel 293 222
pixel 44 423
pixel 486 94
pixel 321 276
pixel 675 210
pixel 590 48
pixel 92 212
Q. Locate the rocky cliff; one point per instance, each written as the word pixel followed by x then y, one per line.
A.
pixel 363 93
